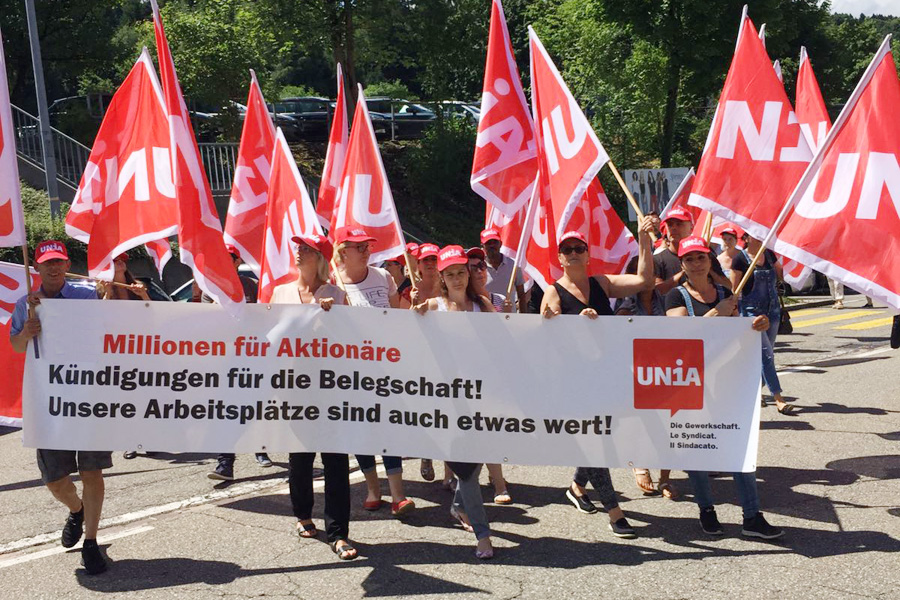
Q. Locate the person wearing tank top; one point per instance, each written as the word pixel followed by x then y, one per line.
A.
pixel 372 287
pixel 699 297
pixel 579 293
pixel 458 294
pixel 312 287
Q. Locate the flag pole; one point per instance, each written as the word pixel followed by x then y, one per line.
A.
pixel 37 352
pixel 631 200
pixel 525 235
pixel 707 227
pixel 115 283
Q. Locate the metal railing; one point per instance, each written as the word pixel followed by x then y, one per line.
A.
pixel 219 160
pixel 71 155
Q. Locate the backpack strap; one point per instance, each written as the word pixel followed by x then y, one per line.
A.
pixel 688 303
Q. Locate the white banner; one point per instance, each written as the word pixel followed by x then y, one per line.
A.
pixel 643 391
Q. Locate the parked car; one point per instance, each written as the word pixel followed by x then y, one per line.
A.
pixel 311 114
pixel 407 119
pixel 184 292
pixel 461 110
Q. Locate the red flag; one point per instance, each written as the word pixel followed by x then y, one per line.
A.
pixel 811 111
pixel 161 252
pixel 12 364
pixel 334 156
pixel 569 153
pixel 755 153
pixel 843 219
pixel 126 196
pixel 289 213
pixel 12 219
pixel 247 207
pixel 611 244
pixel 540 259
pixel 505 160
pixel 365 199
pixel 199 230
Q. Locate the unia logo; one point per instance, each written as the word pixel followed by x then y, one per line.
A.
pixel 668 374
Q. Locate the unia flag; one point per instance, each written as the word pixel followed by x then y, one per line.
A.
pixel 12 364
pixel 843 218
pixel 12 219
pixel 505 160
pixel 610 243
pixel 199 230
pixel 289 213
pixel 569 153
pixel 246 218
pixel 335 156
pixel 755 152
pixel 126 196
pixel 365 200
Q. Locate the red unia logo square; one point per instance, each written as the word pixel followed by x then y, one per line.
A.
pixel 668 375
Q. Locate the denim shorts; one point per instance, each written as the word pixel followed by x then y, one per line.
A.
pixel 56 464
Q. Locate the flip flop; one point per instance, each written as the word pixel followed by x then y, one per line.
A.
pixel 340 551
pixel 646 485
pixel 455 514
pixel 669 491
pixel 427 469
pixel 503 498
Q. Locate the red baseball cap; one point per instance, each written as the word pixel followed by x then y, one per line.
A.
pixel 49 250
pixel 351 234
pixel 233 250
pixel 730 230
pixel 412 249
pixel 427 250
pixel 318 243
pixel 475 252
pixel 452 255
pixel 124 256
pixel 692 244
pixel 490 234
pixel 679 214
pixel 571 235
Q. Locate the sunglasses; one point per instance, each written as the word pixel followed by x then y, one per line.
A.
pixel 480 265
pixel 579 249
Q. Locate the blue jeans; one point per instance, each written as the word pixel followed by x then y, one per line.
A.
pixel 467 499
pixel 763 300
pixel 392 464
pixel 746 489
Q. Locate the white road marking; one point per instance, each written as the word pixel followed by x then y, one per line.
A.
pixel 17 560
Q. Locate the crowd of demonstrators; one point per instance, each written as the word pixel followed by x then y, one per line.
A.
pixel 224 470
pixel 367 286
pixel 700 296
pixel 760 298
pixel 683 278
pixel 458 294
pixel 312 257
pixel 57 466
pixel 578 293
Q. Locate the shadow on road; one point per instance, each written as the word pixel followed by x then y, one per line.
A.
pixel 840 409
pixel 4 430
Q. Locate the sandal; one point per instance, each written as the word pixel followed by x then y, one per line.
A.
pixel 459 518
pixel 503 498
pixel 427 469
pixel 345 551
pixel 307 530
pixel 645 482
pixel 669 491
pixel 787 410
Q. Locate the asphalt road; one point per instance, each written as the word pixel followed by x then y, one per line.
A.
pixel 830 476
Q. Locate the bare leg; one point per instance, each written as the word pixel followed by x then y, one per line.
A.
pixel 373 486
pixel 93 490
pixel 395 482
pixel 615 514
pixel 495 472
pixel 64 491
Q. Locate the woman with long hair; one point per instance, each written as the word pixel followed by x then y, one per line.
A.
pixel 458 294
pixel 578 293
pixel 312 287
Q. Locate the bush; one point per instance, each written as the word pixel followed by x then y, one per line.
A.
pixel 390 89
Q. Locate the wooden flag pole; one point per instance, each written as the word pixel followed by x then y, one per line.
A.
pixel 115 283
pixel 707 228
pixel 749 272
pixel 37 352
pixel 631 200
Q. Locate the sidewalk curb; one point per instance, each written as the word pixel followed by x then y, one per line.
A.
pixel 814 304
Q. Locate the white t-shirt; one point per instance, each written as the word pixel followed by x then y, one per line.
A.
pixel 287 293
pixel 374 291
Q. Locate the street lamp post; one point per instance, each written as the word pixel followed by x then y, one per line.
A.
pixel 46 135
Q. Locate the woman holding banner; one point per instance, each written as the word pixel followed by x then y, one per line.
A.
pixel 577 293
pixel 312 287
pixel 374 288
pixel 760 297
pixel 458 294
pixel 700 297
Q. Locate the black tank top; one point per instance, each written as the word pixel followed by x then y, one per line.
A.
pixel 570 305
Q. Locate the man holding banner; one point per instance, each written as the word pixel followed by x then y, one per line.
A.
pixel 52 262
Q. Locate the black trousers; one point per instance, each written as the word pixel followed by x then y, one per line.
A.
pixel 337 491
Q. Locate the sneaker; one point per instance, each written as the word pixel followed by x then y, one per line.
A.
pixel 709 522
pixel 263 460
pixel 224 472
pixel 73 528
pixel 758 527
pixel 581 502
pixel 92 558
pixel 621 529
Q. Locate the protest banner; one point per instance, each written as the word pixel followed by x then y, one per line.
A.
pixel 661 393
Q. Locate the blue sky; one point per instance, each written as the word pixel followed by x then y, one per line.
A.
pixel 867 7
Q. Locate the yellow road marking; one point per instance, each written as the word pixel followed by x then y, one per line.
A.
pixel 808 312
pixel 846 316
pixel 868 324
